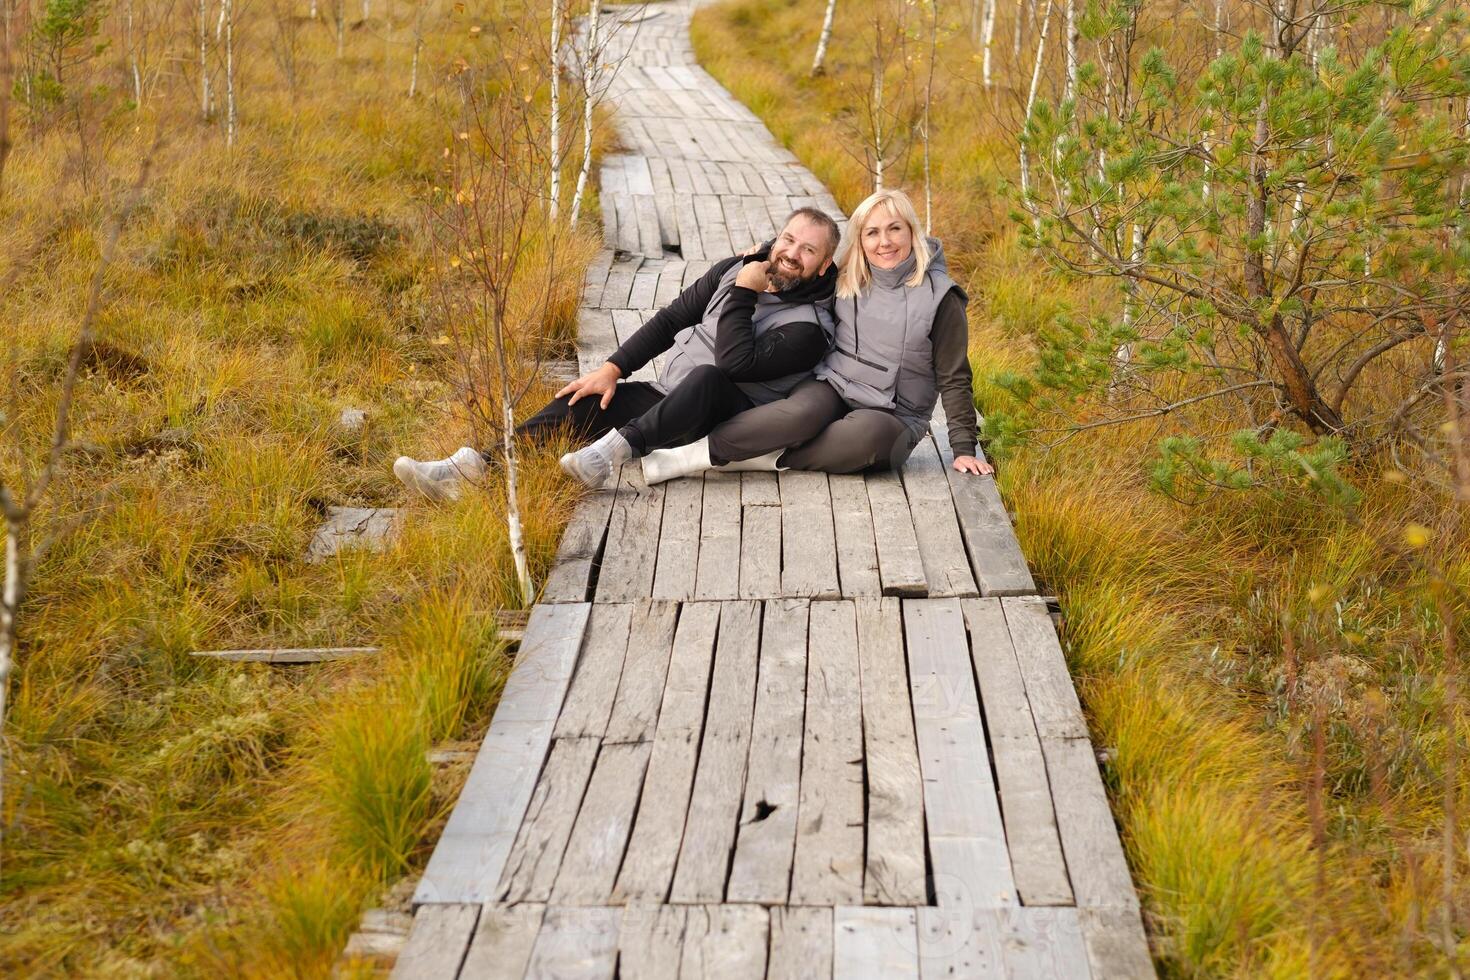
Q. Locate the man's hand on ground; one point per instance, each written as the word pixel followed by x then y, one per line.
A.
pixel 754 275
pixel 969 464
pixel 602 382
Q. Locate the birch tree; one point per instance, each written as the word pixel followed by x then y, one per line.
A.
pixel 824 38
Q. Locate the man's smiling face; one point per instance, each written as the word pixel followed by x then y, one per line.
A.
pixel 803 251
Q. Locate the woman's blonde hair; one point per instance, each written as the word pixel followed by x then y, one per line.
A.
pixel 853 273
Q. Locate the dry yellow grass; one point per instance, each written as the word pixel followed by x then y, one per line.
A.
pixel 1209 642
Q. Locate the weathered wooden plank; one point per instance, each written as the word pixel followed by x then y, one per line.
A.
pixel 645 669
pixel 1049 687
pixel 1043 943
pixel 828 868
pixel 663 190
pixel 653 848
pixel 946 565
pixel 900 565
pixel 678 541
pixel 503 940
pixel 895 869
pixel 995 554
pixel 531 869
pixel 714 805
pixel 801 943
pixel 1025 796
pixel 628 561
pixel 857 552
pixel 595 850
pixel 628 230
pixel 881 944
pixel 1095 860
pixel 966 839
pixel 650 241
pixel 690 239
pixel 715 235
pixel 760 552
pixel 651 942
pixel 570 579
pixel 759 490
pixel 757 218
pixel 589 702
pixel 645 285
pixel 725 942
pixel 619 283
pixel 670 279
pixel 576 943
pixel 964 943
pixel 467 862
pixel 808 542
pixel 719 538
pixel 761 870
pixel 1117 948
pixel 437 943
pixel 626 323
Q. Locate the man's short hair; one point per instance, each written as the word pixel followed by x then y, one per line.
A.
pixel 820 217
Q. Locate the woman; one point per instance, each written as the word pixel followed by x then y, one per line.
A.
pixel 902 342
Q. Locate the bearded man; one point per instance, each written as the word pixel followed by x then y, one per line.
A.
pixel 745 334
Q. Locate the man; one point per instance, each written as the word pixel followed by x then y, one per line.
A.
pixel 744 334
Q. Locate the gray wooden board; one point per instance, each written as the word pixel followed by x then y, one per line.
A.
pixel 595 850
pixel 576 943
pixel 626 323
pixel 1095 860
pixel 503 940
pixel 692 242
pixel 619 284
pixel 1049 687
pixel 966 839
pixel 595 278
pixel 801 943
pixel 570 578
pixel 828 866
pixel 627 558
pixel 651 942
pixel 900 566
pixel 650 242
pixel 678 541
pixel 1025 795
pixel 995 555
pixel 658 829
pixel 645 669
pixel 467 862
pixel 670 280
pixel 1116 946
pixel 715 235
pixel 719 538
pixel 761 870
pixel 714 804
pixel 895 867
pixel 760 552
pixel 645 286
pixel 629 237
pixel 725 942
pixel 759 490
pixel 946 565
pixel 881 944
pixel 531 869
pixel 857 551
pixel 589 702
pixel 808 543
pixel 962 943
pixel 1043 943
pixel 436 945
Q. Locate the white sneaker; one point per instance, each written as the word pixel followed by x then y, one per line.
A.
pixel 669 464
pixel 441 479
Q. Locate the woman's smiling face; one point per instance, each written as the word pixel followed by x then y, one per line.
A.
pixel 887 239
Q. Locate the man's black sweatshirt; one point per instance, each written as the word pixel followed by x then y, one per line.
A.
pixel 787 349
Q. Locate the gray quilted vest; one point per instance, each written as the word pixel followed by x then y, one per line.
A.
pixel 695 345
pixel 883 357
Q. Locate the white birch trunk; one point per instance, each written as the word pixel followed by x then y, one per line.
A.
pixel 987 37
pixel 591 76
pixel 928 106
pixel 1124 354
pixel 1030 107
pixel 229 9
pixel 877 125
pixel 512 476
pixel 133 67
pixel 313 13
pixel 413 72
pixel 1071 25
pixel 824 38
pixel 367 9
pixel 205 98
pixel 9 608
pixel 555 107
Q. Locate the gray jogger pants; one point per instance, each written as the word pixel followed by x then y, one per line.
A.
pixel 823 433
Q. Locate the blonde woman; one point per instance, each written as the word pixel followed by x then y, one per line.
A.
pixel 902 343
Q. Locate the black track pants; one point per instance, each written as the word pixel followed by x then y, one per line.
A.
pixel 705 398
pixel 586 419
pixel 823 433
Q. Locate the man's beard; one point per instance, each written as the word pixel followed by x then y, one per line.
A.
pixel 783 278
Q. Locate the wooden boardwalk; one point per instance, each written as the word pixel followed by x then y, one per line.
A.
pixel 785 725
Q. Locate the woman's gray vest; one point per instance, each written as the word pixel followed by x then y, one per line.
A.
pixel 883 357
pixel 694 346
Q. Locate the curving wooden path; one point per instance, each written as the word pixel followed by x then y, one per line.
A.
pixel 771 725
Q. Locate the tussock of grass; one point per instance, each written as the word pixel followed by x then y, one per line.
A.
pixel 1205 639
